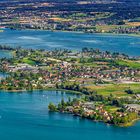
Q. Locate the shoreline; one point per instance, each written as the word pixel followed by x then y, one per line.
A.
pixel 130 123
pixel 47 89
pixel 81 32
pixel 125 125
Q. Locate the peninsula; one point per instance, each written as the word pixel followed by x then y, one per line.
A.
pixel 107 83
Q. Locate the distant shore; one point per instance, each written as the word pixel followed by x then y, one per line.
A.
pixel 47 89
pixel 81 32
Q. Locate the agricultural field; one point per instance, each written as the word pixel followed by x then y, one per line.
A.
pixel 129 63
pixel 114 89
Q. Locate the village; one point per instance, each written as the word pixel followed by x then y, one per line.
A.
pixel 86 67
pixel 100 109
pixel 109 81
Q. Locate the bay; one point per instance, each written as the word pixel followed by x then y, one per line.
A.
pixel 25 116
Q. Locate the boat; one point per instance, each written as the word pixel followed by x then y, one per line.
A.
pixel 1 30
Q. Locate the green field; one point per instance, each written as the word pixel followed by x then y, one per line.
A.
pixel 28 61
pixel 131 64
pixel 114 89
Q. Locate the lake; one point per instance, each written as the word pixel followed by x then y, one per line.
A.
pixel 25 117
pixel 70 40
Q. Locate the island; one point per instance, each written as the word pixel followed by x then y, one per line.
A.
pixel 107 84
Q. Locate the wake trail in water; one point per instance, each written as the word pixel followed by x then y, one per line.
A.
pixel 30 38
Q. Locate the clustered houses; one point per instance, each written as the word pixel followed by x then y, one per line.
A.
pixel 23 68
pixel 122 115
pixel 127 30
pixel 89 109
pixel 133 108
pixel 54 68
pixel 67 71
pixel 54 71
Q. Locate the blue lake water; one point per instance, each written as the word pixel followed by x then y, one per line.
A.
pixel 5 54
pixel 75 41
pixel 25 117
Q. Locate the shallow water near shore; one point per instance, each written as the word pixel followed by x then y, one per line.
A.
pixel 71 40
pixel 6 54
pixel 25 116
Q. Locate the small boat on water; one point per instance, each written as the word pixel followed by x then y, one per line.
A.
pixel 1 31
pixel 2 28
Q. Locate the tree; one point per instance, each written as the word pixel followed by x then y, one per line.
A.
pixel 129 91
pixel 52 107
pixel 62 102
pixel 69 101
pixel 116 103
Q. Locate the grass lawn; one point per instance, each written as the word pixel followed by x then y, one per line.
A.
pixel 129 63
pixel 111 27
pixel 28 61
pixel 87 64
pixel 115 89
pixel 111 108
